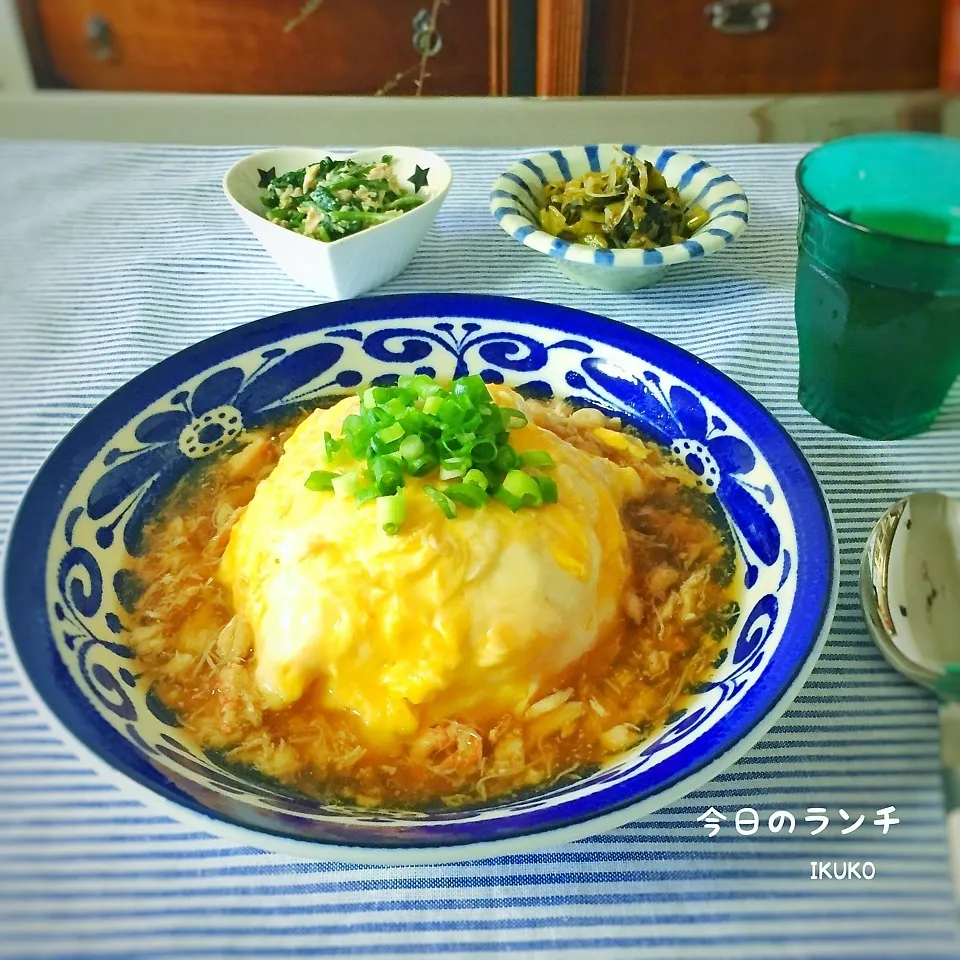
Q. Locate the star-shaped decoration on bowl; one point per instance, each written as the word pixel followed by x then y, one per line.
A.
pixel 266 176
pixel 419 179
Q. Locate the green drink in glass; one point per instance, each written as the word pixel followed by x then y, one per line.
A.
pixel 878 282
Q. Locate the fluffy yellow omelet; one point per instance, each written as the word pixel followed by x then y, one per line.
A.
pixel 450 617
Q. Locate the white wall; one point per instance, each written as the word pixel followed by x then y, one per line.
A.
pixel 449 121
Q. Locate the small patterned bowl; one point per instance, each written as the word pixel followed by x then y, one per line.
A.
pixel 515 201
pixel 68 589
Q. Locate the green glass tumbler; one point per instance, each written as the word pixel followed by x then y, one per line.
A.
pixel 878 281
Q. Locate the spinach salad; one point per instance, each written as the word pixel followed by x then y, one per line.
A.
pixel 335 198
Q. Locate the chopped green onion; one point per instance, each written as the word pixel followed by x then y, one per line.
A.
pixel 537 458
pixel 512 419
pixel 352 423
pixel 493 475
pixel 330 446
pixel 477 478
pixel 548 489
pixel 411 448
pixel 346 484
pixel 422 385
pixel 522 485
pixel 387 475
pixel 504 495
pixel 472 422
pixel 395 407
pixel 449 412
pixel 416 427
pixel 458 443
pixel 379 448
pixel 366 494
pixel 457 466
pixel 320 480
pixel 484 451
pixel 432 405
pixel 467 493
pixel 474 387
pixel 380 417
pixel 391 433
pixel 414 422
pixel 442 501
pixel 506 458
pixel 422 466
pixel 391 512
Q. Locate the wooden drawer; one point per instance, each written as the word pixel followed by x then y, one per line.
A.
pixel 639 47
pixel 239 46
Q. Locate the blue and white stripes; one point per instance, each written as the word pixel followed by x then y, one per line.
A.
pixel 515 203
pixel 89 297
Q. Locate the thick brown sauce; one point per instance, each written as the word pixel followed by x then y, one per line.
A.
pixel 622 689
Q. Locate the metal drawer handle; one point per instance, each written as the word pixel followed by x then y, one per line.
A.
pixel 739 16
pixel 99 37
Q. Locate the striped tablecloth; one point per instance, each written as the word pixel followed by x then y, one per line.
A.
pixel 113 257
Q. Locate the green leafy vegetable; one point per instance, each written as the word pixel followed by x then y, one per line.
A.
pixel 332 199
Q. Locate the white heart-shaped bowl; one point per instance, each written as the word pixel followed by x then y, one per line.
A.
pixel 515 201
pixel 351 265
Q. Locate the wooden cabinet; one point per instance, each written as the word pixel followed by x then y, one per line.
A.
pixel 476 47
pixel 259 47
pixel 702 47
pixel 781 46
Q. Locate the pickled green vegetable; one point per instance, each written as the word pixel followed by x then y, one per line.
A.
pixel 627 206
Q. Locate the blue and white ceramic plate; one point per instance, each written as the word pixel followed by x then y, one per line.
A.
pixel 67 586
pixel 515 202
